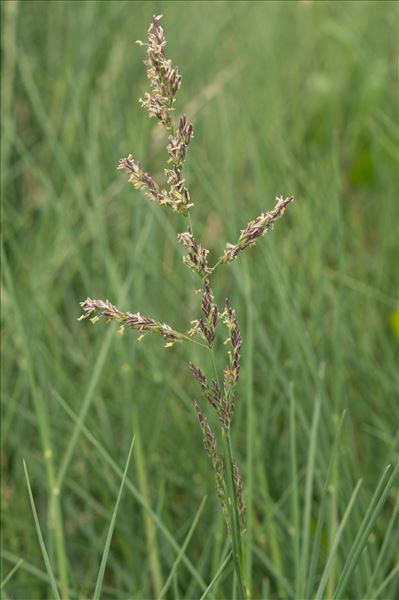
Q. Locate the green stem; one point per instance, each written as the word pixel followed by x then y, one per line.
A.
pixel 219 262
pixel 187 338
pixel 190 225
pixel 235 530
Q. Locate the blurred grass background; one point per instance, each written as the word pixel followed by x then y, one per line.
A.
pixel 286 98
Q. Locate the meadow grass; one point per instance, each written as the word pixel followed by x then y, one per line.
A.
pixel 286 98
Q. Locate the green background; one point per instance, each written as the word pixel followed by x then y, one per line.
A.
pixel 286 98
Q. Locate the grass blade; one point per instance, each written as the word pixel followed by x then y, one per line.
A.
pixel 104 559
pixel 294 495
pixel 54 506
pixel 376 504
pixel 133 490
pixel 386 581
pixel 324 578
pixel 144 488
pixel 320 519
pixel 271 570
pixel 218 574
pixel 11 573
pixel 385 545
pixel 88 397
pixel 308 499
pixel 41 541
pixel 25 565
pixel 183 549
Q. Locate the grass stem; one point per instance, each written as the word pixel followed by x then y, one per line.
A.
pixel 235 531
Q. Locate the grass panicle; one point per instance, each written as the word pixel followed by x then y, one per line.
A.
pixel 283 97
pixel 164 82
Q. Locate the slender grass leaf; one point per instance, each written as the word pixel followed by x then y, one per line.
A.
pixel 376 504
pixel 133 490
pixel 322 509
pixel 41 541
pixel 310 469
pixel 11 573
pixel 334 547
pixel 183 549
pixel 107 546
pixel 216 577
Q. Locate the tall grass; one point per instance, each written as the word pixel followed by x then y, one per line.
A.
pixel 299 96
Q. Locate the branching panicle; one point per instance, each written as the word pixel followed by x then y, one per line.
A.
pixel 165 80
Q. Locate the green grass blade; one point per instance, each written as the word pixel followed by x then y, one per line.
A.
pixel 375 506
pixel 386 581
pixel 183 549
pixel 133 490
pixel 271 528
pixel 384 547
pixel 280 579
pixel 41 541
pixel 88 397
pixel 54 510
pixel 323 502
pixel 216 577
pixel 294 495
pixel 334 547
pixel 25 565
pixel 11 573
pixel 144 488
pixel 107 546
pixel 310 469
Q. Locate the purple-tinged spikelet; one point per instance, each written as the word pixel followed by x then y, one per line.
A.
pixel 163 77
pixel 210 445
pixel 164 83
pixel 240 493
pixel 210 310
pixel 142 181
pixel 256 229
pixel 137 321
pixel 197 257
pixel 211 393
pixel 232 372
pixel 177 148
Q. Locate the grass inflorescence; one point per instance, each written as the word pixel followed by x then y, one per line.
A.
pixel 293 97
pixel 165 82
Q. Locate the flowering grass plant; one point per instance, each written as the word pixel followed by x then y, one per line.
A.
pixel 218 390
pixel 285 97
